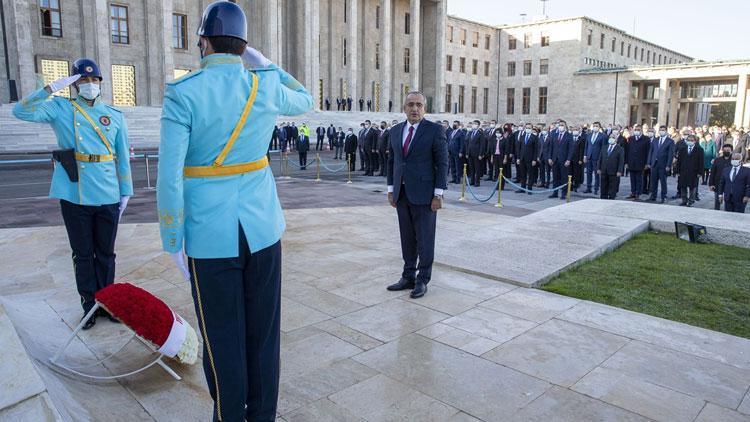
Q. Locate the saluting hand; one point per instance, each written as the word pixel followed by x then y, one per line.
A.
pixel 62 83
pixel 254 58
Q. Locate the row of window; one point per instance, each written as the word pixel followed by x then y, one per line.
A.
pixel 513 42
pixel 460 105
pixel 527 66
pixel 646 56
pixel 598 63
pixel 51 23
pixel 510 100
pixel 462 66
pixel 474 38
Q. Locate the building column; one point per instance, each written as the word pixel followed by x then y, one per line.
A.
pixel 415 9
pixel 102 47
pixel 270 22
pixel 386 51
pixel 26 81
pixel 741 104
pixel 662 115
pixel 352 42
pixel 312 50
pixel 160 55
pixel 442 23
pixel 674 103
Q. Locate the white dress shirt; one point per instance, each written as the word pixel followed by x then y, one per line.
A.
pixel 404 135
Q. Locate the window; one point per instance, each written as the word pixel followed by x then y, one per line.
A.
pixel 377 56
pixel 486 69
pixel 526 101
pixel 622 48
pixel 635 52
pixel 377 17
pixel 526 40
pixel 179 31
pixel 345 9
pixel 474 66
pixel 648 57
pixel 614 42
pixel 486 101
pixel 475 40
pixel 629 50
pixel 448 99
pixel 344 52
pixel 545 40
pixel 53 70
pixel 601 42
pixel 407 24
pixel 542 100
pixel 590 35
pixel 123 85
pixel 50 18
pixel 407 60
pixel 526 67
pixel 118 21
pixel 473 100
pixel 449 63
pixel 659 58
pixel 510 101
pixel 461 99
pixel 642 54
pixel 450 33
pixel 543 66
pixel 462 65
pixel 511 42
pixel 486 42
pixel 463 37
pixel 511 68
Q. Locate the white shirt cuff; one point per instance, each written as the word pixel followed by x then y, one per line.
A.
pixel 390 188
pixel 438 191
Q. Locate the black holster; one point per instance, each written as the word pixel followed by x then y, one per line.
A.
pixel 67 159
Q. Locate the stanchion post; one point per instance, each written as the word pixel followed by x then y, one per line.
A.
pixel 317 157
pixel 349 168
pixel 463 186
pixel 570 186
pixel 499 202
pixel 148 172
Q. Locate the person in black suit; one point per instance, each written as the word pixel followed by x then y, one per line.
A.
pixel 489 134
pixel 350 148
pixel 561 153
pixel 383 146
pixel 650 136
pixel 274 139
pixel 361 146
pixel 361 104
pixel 500 155
pixel 294 137
pixel 303 145
pixel 349 103
pixel 611 167
pixel 417 175
pixel 576 164
pixel 338 104
pixel 328 104
pixel 331 134
pixel 734 188
pixel 594 144
pixel 545 145
pixel 321 132
pixel 455 140
pixel 690 167
pixel 635 158
pixel 369 104
pixel 723 161
pixel 390 106
pixel 370 146
pixel 659 160
pixel 475 146
pixel 527 156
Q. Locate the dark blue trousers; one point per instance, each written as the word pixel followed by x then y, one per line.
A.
pixel 659 177
pixel 416 224
pixel 636 182
pixel 591 176
pixel 91 233
pixel 238 304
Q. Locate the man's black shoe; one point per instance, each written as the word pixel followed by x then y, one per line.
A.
pixel 588 190
pixel 419 290
pixel 554 195
pixel 90 323
pixel 402 284
pixel 519 191
pixel 663 200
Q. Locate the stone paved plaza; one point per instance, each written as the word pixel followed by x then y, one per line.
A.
pixel 475 348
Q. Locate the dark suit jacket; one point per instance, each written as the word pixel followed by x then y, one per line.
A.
pixel 734 191
pixel 321 132
pixel 383 141
pixel 425 166
pixel 455 141
pixel 689 166
pixel 303 145
pixel 717 170
pixel 561 150
pixel 613 163
pixel 545 148
pixel 350 144
pixel 637 153
pixel 661 156
pixel 594 148
pixel 475 143
pixel 527 151
pixel 331 132
pixel 371 139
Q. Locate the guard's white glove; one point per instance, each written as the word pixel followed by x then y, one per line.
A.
pixel 254 59
pixel 123 204
pixel 63 83
pixel 179 261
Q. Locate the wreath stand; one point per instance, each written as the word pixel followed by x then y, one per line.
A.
pixel 54 360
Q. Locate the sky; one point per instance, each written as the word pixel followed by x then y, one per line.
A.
pixel 705 30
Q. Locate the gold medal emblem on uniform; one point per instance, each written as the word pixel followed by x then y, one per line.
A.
pixel 104 120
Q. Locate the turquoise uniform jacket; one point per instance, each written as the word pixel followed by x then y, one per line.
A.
pixel 199 114
pixel 98 183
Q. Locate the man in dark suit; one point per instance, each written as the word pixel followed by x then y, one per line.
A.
pixel 361 147
pixel 321 132
pixel 338 104
pixel 527 156
pixel 561 156
pixel 294 136
pixel 331 134
pixel 383 137
pixel 303 145
pixel 390 106
pixel 328 104
pixel 369 104
pixel 734 188
pixel 350 148
pixel 489 134
pixel 349 103
pixel 455 140
pixel 690 167
pixel 650 135
pixel 417 176
pixel 594 143
pixel 274 139
pixel 723 161
pixel 545 149
pixel 370 147
pixel 475 146
pixel 500 155
pixel 611 167
pixel 660 157
pixel 361 104
pixel 636 155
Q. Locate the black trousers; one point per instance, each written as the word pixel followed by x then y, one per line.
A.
pixel 497 167
pixel 646 180
pixel 526 175
pixel 545 175
pixel 330 144
pixel 91 233
pixel 303 159
pixel 610 185
pixel 319 144
pixel 238 304
pixel 636 182
pixel 382 156
pixel 362 158
pixel 688 188
pixel 560 177
pixel 416 224
pixel 374 162
pixel 475 170
pixel 733 205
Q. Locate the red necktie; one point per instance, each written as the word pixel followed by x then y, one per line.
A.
pixel 408 140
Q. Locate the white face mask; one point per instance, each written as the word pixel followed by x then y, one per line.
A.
pixel 561 128
pixel 575 133
pixel 637 133
pixel 612 141
pixel 735 163
pixel 651 134
pixel 662 133
pixel 528 131
pixel 595 129
pixel 88 91
pixel 544 132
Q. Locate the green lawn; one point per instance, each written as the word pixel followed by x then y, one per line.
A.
pixel 657 274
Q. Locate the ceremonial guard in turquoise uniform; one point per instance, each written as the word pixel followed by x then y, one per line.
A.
pixel 217 199
pixel 92 176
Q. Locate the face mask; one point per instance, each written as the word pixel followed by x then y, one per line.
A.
pixel 88 91
pixel 561 128
pixel 735 163
pixel 651 134
pixel 499 135
pixel 727 154
pixel 612 141
pixel 595 129
pixel 691 144
pixel 350 132
pixel 514 128
pixel 528 131
pixel 544 132
pixel 637 133
pixel 662 133
pixel 575 133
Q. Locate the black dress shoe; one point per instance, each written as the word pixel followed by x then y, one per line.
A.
pixel 402 284
pixel 588 190
pixel 554 195
pixel 419 290
pixel 90 323
pixel 663 200
pixel 520 191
